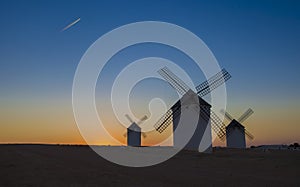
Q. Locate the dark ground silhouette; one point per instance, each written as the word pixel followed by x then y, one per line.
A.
pixel 54 165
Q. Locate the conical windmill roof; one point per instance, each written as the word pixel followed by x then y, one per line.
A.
pixel 190 97
pixel 234 124
pixel 134 127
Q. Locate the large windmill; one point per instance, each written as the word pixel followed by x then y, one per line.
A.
pixel 207 118
pixel 134 132
pixel 235 131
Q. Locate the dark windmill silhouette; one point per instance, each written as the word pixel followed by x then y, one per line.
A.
pixel 207 118
pixel 134 132
pixel 236 132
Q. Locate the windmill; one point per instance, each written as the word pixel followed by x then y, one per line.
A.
pixel 235 131
pixel 189 97
pixel 134 132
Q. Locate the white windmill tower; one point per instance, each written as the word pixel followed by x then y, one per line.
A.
pixel 236 132
pixel 185 105
pixel 134 132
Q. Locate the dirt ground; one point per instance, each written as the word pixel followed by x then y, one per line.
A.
pixel 57 165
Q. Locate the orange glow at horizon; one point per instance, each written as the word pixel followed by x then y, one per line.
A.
pixel 52 122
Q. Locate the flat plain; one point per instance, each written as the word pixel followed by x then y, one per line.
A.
pixel 70 165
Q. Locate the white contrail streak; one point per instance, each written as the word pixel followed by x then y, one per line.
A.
pixel 71 24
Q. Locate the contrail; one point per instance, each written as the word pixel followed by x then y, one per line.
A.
pixel 70 25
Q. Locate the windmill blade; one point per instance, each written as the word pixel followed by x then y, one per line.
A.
pixel 249 135
pixel 243 117
pixel 219 126
pixel 216 123
pixel 226 114
pixel 212 83
pixel 144 135
pixel 128 117
pixel 166 119
pixel 176 78
pixel 142 120
pixel 173 80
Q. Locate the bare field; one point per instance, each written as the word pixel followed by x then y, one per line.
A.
pixel 58 165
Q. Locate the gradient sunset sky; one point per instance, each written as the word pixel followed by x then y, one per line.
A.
pixel 258 42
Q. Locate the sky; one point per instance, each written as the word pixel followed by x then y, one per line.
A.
pixel 258 42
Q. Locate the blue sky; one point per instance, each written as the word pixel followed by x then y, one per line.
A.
pixel 258 42
pixel 257 38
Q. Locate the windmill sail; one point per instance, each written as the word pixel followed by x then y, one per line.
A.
pixel 245 115
pixel 144 135
pixel 212 83
pixel 203 89
pixel 129 118
pixel 142 120
pixel 227 115
pixel 173 80
pixel 240 120
pixel 166 119
pixel 249 135
pixel 216 123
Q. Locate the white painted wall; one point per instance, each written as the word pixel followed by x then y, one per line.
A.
pixel 134 135
pixel 202 139
pixel 235 138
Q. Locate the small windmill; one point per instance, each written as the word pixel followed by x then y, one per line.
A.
pixel 134 132
pixel 235 131
pixel 189 97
